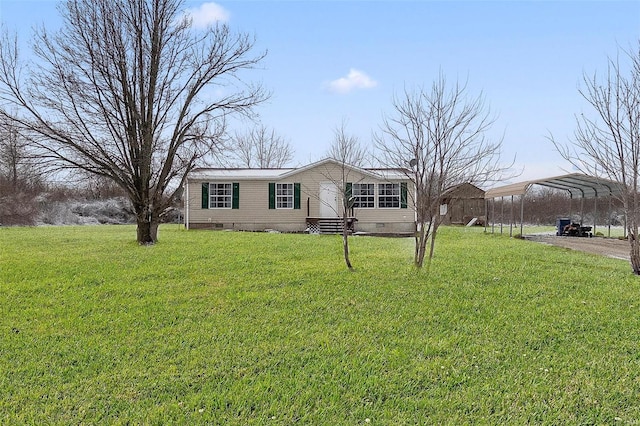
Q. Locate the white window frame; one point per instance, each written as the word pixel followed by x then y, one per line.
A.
pixel 358 197
pixel 223 200
pixel 389 192
pixel 284 196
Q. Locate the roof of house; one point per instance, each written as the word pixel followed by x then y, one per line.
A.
pixel 239 174
pixel 283 173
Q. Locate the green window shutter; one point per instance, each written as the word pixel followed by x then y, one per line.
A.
pixel 272 195
pixel 296 196
pixel 403 195
pixel 205 195
pixel 235 198
pixel 348 190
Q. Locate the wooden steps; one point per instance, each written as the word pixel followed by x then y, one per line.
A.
pixel 327 225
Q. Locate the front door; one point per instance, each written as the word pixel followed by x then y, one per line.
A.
pixel 328 199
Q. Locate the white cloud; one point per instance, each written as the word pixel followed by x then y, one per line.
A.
pixel 207 14
pixel 354 80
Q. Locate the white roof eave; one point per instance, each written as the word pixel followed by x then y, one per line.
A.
pixel 279 174
pixel 237 174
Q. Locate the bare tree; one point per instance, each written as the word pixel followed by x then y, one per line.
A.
pixel 607 143
pixel 259 147
pixel 348 152
pixel 347 149
pixel 12 155
pixel 18 169
pixel 120 92
pixel 438 138
pixel 21 180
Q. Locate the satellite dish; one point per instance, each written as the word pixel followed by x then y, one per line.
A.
pixel 413 162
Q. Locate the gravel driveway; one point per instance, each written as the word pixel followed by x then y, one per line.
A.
pixel 611 247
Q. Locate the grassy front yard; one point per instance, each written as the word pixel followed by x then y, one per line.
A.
pixel 251 328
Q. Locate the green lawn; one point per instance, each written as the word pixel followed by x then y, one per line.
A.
pixel 252 328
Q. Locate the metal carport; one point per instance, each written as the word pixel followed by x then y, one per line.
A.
pixel 576 184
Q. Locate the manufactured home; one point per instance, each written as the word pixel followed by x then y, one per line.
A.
pixel 305 199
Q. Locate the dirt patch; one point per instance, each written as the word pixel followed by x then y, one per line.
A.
pixel 611 247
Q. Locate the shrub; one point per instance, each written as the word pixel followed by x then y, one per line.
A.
pixel 18 209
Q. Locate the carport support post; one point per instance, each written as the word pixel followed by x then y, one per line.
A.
pixel 595 213
pixel 486 214
pixel 521 215
pixel 493 214
pixel 501 213
pixel 511 219
pixel 609 215
pixel 570 205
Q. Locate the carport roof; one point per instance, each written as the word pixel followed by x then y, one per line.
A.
pixel 577 184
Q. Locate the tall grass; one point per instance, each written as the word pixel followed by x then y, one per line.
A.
pixel 250 328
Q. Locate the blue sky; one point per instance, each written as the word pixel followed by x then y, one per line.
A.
pixel 330 61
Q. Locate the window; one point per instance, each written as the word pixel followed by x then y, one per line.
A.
pixel 220 195
pixel 284 195
pixel 363 195
pixel 388 195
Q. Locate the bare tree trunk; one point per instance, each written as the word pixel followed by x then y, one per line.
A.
pixel 345 243
pixel 416 238
pixel 147 231
pixel 436 224
pixel 421 245
pixel 634 254
pixel 147 226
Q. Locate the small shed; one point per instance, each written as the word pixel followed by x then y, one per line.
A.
pixel 464 202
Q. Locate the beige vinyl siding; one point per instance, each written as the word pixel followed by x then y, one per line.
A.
pixel 253 209
pixel 254 212
pixel 311 180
